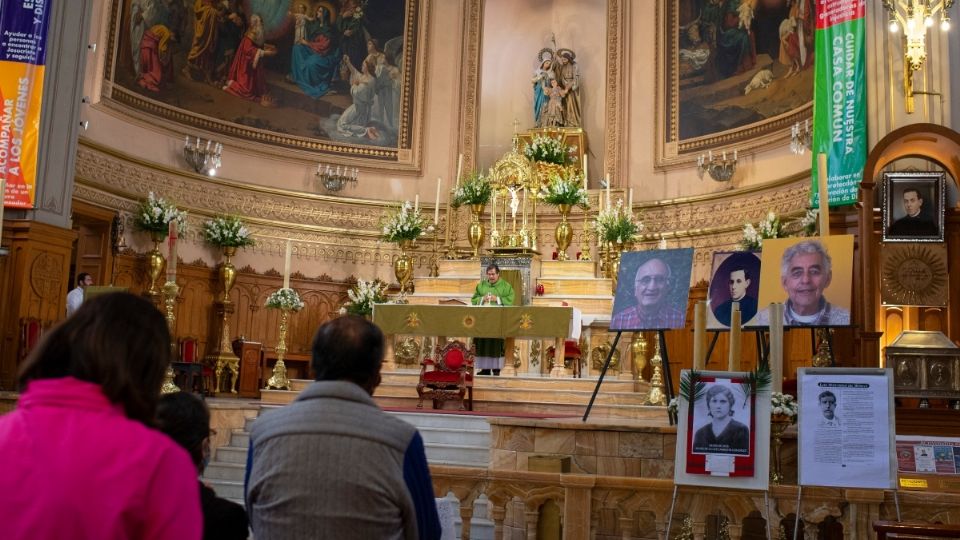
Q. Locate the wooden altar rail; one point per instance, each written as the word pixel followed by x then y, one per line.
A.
pixel 622 507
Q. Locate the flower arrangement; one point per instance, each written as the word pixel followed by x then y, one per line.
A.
pixel 154 215
pixel 547 149
pixel 227 231
pixel 286 299
pixel 785 406
pixel 808 222
pixel 566 188
pixel 616 224
pixel 769 227
pixel 404 224
pixel 363 296
pixel 474 190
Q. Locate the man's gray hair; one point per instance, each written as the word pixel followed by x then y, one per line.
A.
pixel 805 248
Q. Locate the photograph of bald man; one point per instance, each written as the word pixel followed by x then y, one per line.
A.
pixel 652 290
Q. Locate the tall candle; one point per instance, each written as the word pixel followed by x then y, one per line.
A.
pixel 824 198
pixel 630 200
pixel 585 171
pixel 436 204
pixel 493 212
pixel 416 203
pixel 523 202
pixel 734 361
pixel 172 253
pixel 286 265
pixel 776 346
pixel 459 169
pixel 699 335
pixel 608 190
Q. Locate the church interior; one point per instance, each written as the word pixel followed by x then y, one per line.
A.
pixel 321 133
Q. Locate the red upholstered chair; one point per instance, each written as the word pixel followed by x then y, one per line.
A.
pixel 190 373
pixel 448 376
pixel 571 355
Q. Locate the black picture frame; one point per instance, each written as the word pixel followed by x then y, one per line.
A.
pixel 927 226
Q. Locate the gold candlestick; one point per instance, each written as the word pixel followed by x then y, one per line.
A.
pixel 585 240
pixel 170 291
pixel 657 395
pixel 279 380
pixel 435 267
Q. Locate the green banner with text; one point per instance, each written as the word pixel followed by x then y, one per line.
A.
pixel 840 99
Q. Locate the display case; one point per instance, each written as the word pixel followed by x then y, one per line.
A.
pixel 926 365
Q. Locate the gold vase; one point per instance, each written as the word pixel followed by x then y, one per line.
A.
pixel 228 273
pixel 403 267
pixel 476 230
pixel 156 262
pixel 563 232
pixel 279 380
pixel 639 349
pixel 778 424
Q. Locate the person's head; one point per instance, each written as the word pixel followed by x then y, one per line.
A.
pixel 256 28
pixel 651 284
pixel 118 341
pixel 372 46
pixel 84 280
pixel 302 9
pixel 720 402
pixel 184 418
pixel 546 64
pixel 805 271
pixel 739 283
pixel 565 58
pixel 369 66
pixel 493 273
pixel 828 404
pixel 912 202
pixel 349 348
pixel 553 82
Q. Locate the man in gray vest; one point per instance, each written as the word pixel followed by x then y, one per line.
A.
pixel 332 464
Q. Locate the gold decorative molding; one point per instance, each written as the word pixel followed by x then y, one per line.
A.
pixel 470 80
pixel 617 11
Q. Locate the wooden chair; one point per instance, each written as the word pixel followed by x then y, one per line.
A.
pixel 448 376
pixel 190 371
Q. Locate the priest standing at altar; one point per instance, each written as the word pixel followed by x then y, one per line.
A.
pixel 491 292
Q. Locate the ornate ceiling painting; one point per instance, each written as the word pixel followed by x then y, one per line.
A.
pixel 734 71
pixel 337 76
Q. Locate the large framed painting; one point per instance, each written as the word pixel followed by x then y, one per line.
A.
pixel 338 76
pixel 735 71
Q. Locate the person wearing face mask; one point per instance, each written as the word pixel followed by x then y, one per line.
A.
pixel 723 435
pixel 184 418
pixel 654 309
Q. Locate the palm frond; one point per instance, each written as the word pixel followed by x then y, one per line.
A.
pixel 691 386
pixel 757 380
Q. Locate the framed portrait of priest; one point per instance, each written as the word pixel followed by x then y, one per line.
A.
pixel 913 206
pixel 735 278
pixel 652 290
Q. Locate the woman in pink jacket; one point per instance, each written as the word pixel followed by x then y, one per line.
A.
pixel 78 457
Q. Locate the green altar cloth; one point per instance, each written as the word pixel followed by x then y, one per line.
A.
pixel 474 321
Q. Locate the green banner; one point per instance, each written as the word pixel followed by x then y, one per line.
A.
pixel 840 99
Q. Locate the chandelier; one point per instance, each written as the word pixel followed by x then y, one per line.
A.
pixel 718 167
pixel 335 179
pixel 801 138
pixel 202 158
pixel 915 17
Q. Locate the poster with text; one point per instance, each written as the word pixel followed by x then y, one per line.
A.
pixel 723 436
pixel 23 31
pixel 846 434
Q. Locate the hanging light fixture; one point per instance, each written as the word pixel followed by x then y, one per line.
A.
pixel 915 16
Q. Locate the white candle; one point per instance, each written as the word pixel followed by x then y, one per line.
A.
pixel 699 335
pixel 286 265
pixel 608 190
pixel 172 253
pixel 585 172
pixel 734 155
pixel 734 360
pixel 186 141
pixel 630 200
pixel 436 203
pixel 776 346
pixel 493 212
pixel 416 203
pixel 459 169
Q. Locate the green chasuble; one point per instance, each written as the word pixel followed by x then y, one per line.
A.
pixel 492 347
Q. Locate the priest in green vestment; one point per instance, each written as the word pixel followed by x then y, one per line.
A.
pixel 491 292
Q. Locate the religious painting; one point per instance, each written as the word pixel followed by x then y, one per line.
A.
pixel 913 206
pixel 735 278
pixel 331 75
pixel 741 68
pixel 652 290
pixel 723 431
pixel 812 276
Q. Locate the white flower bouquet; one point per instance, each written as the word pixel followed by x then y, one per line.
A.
pixel 548 149
pixel 286 299
pixel 616 224
pixel 406 223
pixel 227 231
pixel 808 223
pixel 154 215
pixel 476 189
pixel 769 227
pixel 566 188
pixel 363 296
pixel 784 406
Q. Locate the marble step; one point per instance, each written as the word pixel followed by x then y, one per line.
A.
pixel 228 489
pixel 231 454
pixel 464 268
pixel 435 435
pixel 445 285
pixel 218 470
pixel 453 422
pixel 458 455
pixel 240 438
pixel 576 286
pixel 571 269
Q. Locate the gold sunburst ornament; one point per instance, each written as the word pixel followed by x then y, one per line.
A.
pixel 526 321
pixel 413 320
pixel 913 275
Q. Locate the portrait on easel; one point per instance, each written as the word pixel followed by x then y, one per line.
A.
pixel 913 206
pixel 735 278
pixel 652 290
